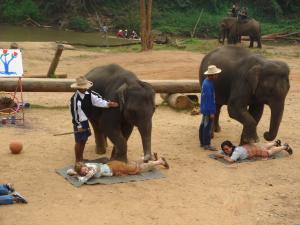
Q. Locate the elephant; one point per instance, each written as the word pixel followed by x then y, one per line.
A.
pixel 136 108
pixel 248 82
pixel 233 28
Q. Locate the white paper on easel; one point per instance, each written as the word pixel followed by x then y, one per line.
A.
pixel 11 63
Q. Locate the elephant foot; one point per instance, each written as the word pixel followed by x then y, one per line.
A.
pixel 147 157
pixel 100 150
pixel 249 140
pixel 269 137
pixel 118 158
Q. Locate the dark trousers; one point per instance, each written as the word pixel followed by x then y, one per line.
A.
pixel 205 130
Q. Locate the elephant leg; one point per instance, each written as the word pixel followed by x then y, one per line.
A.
pixel 251 42
pixel 256 112
pixel 241 114
pixel 259 42
pixel 100 138
pixel 127 130
pixel 119 151
pixel 216 124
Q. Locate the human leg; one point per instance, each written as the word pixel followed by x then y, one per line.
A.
pixel 150 165
pixel 269 145
pixel 6 200
pixel 206 133
pixel 4 189
pixel 201 132
pixel 275 150
pixel 79 149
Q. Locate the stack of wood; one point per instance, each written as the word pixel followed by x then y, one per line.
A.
pixel 294 36
pixel 180 101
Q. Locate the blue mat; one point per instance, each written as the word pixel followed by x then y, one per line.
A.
pixel 154 174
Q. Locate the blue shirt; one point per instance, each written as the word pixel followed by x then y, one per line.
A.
pixel 208 102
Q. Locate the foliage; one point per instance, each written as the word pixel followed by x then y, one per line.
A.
pixel 79 24
pixel 25 8
pixel 177 16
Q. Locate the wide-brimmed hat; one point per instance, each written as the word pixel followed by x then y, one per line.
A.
pixel 212 69
pixel 82 83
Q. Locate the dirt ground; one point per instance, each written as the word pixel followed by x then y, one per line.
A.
pixel 196 190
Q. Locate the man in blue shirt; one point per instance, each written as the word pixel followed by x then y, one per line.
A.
pixel 208 107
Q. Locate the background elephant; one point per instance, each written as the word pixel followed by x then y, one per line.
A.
pixel 248 82
pixel 232 29
pixel 136 100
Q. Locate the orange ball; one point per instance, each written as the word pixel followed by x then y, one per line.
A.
pixel 15 147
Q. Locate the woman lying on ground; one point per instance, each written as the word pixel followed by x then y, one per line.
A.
pixel 85 171
pixel 233 153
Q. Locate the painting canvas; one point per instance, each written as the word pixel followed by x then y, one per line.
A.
pixel 11 63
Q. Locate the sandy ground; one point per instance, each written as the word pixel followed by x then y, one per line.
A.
pixel 196 190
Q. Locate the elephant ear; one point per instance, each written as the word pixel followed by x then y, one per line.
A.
pixel 252 77
pixel 121 93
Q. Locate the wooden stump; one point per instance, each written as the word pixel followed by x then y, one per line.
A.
pixel 179 101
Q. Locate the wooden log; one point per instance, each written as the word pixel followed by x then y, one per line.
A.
pixel 164 96
pixel 63 85
pixel 59 75
pixel 179 101
pixel 55 61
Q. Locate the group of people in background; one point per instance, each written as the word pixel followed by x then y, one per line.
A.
pixel 241 14
pixel 124 34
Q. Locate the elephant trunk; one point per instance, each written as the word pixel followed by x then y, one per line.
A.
pixel 276 116
pixel 145 132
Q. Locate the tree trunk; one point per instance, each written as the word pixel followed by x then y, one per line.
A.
pixel 148 25
pixel 146 34
pixel 143 24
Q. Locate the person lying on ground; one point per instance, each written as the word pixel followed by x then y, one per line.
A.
pixel 8 195
pixel 85 171
pixel 232 153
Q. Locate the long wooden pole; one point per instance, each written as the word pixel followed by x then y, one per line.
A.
pixel 63 85
pixel 55 61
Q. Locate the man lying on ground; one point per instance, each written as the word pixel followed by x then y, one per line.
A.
pixel 232 153
pixel 85 171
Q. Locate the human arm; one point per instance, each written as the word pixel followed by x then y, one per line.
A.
pixel 225 157
pixel 98 101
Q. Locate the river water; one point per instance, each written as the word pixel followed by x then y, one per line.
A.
pixel 18 33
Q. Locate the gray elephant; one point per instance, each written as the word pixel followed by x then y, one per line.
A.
pixel 136 108
pixel 247 83
pixel 232 29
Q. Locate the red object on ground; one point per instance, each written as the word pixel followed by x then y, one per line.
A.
pixel 15 147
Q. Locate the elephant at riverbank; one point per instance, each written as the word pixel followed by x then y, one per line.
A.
pixel 232 29
pixel 246 84
pixel 136 108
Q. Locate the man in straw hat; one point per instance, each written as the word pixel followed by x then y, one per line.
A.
pixel 208 107
pixel 79 119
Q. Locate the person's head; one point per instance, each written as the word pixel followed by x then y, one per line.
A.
pixel 212 72
pixel 227 147
pixel 81 169
pixel 81 84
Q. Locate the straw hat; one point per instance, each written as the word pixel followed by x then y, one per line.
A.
pixel 82 83
pixel 212 69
